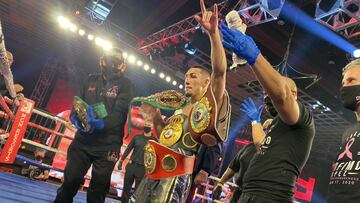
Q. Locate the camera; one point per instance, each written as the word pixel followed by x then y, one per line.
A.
pixel 34 172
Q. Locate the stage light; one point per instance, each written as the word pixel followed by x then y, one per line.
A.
pixel 181 86
pixel 168 78
pixel 81 32
pixel 153 71
pixel 125 55
pixel 90 37
pixel 174 82
pixel 146 67
pixel 189 49
pixel 139 63
pixel 161 75
pixel 356 53
pixel 99 41
pixel 131 59
pixel 72 27
pixel 107 45
pixel 63 22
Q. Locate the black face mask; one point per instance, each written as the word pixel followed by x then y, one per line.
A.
pixel 350 97
pixel 110 70
pixel 147 129
pixel 38 158
pixel 270 107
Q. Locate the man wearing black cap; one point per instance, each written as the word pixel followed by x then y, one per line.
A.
pixel 99 143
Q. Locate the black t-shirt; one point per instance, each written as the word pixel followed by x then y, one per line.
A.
pixel 115 94
pixel 275 167
pixel 344 185
pixel 241 161
pixel 137 144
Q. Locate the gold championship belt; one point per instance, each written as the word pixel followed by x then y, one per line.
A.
pixel 167 100
pixel 163 162
pixel 203 120
pixel 80 108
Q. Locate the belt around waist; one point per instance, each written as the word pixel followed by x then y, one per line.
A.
pixel 163 162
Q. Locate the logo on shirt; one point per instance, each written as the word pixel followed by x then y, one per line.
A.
pixel 112 92
pixel 347 167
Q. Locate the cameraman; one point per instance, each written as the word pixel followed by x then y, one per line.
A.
pixel 35 172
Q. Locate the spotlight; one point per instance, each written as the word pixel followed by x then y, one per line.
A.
pixel 161 75
pixel 81 32
pixel 168 79
pixel 72 27
pixel 90 37
pixel 125 55
pixel 174 82
pixel 139 63
pixel 181 86
pixel 189 49
pixel 99 41
pixel 146 67
pixel 356 53
pixel 107 45
pixel 131 59
pixel 63 22
pixel 153 71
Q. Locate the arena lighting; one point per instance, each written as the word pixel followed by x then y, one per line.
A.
pixel 139 63
pixel 174 82
pixel 72 27
pixel 181 86
pixel 106 45
pixel 153 71
pixel 125 55
pixel 131 59
pixel 161 75
pixel 99 41
pixel 293 14
pixel 146 67
pixel 63 22
pixel 168 78
pixel 90 37
pixel 356 53
pixel 81 32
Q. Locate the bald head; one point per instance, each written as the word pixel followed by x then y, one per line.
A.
pixel 9 57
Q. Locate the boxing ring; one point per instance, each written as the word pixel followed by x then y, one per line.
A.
pixel 28 126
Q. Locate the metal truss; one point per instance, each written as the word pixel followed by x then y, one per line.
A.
pixel 254 13
pixel 100 9
pixel 342 16
pixel 44 82
pixel 261 11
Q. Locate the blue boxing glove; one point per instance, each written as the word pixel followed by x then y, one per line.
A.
pixel 242 45
pixel 97 123
pixel 250 109
pixel 76 122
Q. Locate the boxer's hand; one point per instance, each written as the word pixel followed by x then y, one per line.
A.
pixel 201 177
pixel 209 19
pixel 242 45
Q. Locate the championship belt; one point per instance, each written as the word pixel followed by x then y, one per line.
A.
pixel 167 100
pixel 163 162
pixel 80 108
pixel 203 120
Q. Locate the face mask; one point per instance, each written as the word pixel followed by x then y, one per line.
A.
pixel 110 70
pixel 350 97
pixel 147 129
pixel 270 107
pixel 38 158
